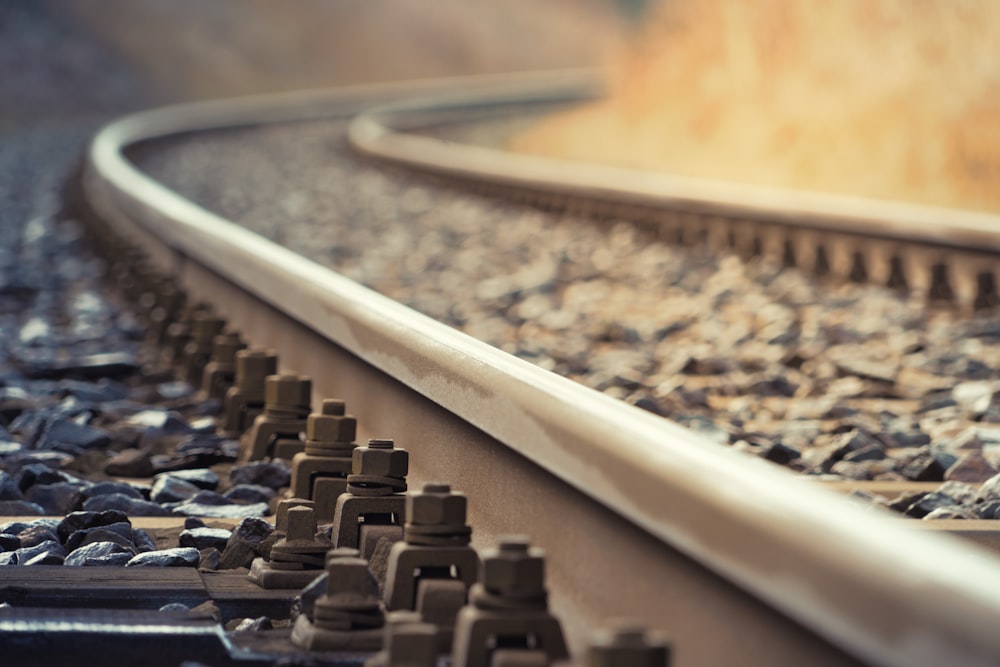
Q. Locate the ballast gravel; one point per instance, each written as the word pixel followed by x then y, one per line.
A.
pixel 842 381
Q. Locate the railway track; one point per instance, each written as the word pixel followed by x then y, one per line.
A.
pixel 734 560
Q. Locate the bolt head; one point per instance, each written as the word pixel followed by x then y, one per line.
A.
pixel 327 428
pixel 436 505
pixel 514 570
pixel 350 579
pixel 288 390
pixel 255 365
pixel 381 462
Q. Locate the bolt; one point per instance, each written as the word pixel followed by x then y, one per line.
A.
pixel 350 581
pixel 380 459
pixel 300 524
pixel 628 644
pixel 514 569
pixel 281 513
pixel 322 427
pixel 252 367
pixel 288 391
pixel 436 505
pixel 333 407
pixel 225 346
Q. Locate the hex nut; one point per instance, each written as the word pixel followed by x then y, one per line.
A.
pixel 380 462
pixel 287 390
pixel 628 645
pixel 253 366
pixel 350 580
pixel 436 505
pixel 514 569
pixel 327 428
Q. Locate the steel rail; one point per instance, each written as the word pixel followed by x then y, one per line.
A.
pixel 387 133
pixel 738 561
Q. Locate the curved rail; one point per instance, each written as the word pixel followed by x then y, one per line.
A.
pixel 639 516
pixel 727 210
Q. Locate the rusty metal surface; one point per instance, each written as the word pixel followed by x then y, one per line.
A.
pixel 735 561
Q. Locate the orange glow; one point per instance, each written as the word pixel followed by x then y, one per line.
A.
pixel 895 99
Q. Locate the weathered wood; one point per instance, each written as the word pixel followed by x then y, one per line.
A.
pixel 238 597
pixel 104 586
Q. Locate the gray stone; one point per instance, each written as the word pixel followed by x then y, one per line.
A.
pixel 119 533
pixel 203 478
pixel 99 553
pixel 990 489
pixel 20 508
pixel 49 557
pixel 67 432
pixel 175 607
pixel 209 559
pixel 180 557
pixel 130 463
pixel 104 488
pixel 130 506
pixel 205 538
pixel 58 499
pixel 241 548
pixel 142 540
pixel 972 467
pixel 46 553
pixel 245 494
pixel 221 511
pixel 8 487
pixel 170 489
pixel 75 521
pixel 272 474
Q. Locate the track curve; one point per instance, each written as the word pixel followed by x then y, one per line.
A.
pixel 640 517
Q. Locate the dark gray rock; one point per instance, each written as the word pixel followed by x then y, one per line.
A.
pixel 950 512
pixel 130 463
pixel 272 474
pixel 66 432
pixel 923 467
pixel 130 506
pixel 58 499
pixel 205 538
pixel 241 548
pixel 143 541
pixel 253 625
pixel 51 548
pixel 119 533
pixel 40 473
pixel 203 478
pixel 75 521
pixel 927 504
pixel 9 542
pixel 210 559
pixel 180 557
pixel 972 467
pixel 99 553
pixel 37 534
pixel 104 488
pixel 781 454
pixel 193 522
pixel 305 603
pixel 103 390
pixel 988 510
pixel 228 511
pixel 20 508
pixel 171 489
pixel 990 489
pixel 872 452
pixel 175 607
pixel 50 557
pixel 245 494
pixel 9 489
